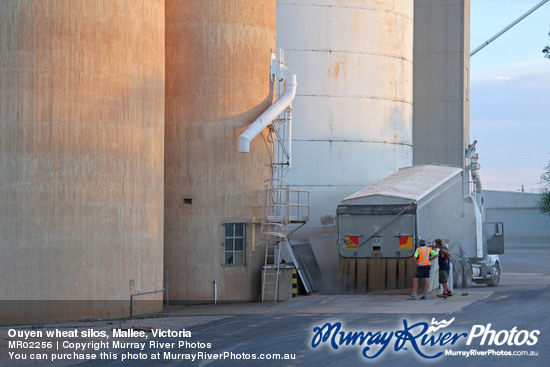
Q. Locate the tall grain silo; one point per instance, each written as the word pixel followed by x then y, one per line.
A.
pixel 353 108
pixel 217 83
pixel 441 89
pixel 81 157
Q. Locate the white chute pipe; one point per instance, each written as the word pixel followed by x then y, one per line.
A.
pixel 474 169
pixel 272 112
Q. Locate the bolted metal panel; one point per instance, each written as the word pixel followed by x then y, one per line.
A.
pixel 217 83
pixel 353 107
pixel 81 156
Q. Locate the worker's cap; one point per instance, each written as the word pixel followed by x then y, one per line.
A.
pixel 422 242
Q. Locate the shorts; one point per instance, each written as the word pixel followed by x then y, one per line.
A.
pixel 422 272
pixel 443 276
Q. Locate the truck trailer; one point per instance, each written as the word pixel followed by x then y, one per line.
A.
pixel 379 228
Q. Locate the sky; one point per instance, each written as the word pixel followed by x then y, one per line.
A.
pixel 510 94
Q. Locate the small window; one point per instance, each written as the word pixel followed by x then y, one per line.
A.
pixel 235 235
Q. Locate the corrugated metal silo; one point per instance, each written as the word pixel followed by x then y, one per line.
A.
pixel 81 157
pixel 217 83
pixel 353 107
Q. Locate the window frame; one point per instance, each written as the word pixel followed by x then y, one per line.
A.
pixel 234 238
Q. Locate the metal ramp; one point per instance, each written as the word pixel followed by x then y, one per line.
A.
pixel 305 263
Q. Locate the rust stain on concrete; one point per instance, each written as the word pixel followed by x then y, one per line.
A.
pixel 338 67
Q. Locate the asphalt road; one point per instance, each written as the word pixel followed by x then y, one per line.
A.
pixel 526 260
pixel 248 335
pixel 518 307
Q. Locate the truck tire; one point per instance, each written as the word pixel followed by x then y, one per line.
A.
pixel 467 274
pixel 495 276
pixel 457 274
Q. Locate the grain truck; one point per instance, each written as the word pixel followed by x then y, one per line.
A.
pixel 380 225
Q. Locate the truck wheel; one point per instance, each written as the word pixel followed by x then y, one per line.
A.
pixel 467 274
pixel 457 274
pixel 495 275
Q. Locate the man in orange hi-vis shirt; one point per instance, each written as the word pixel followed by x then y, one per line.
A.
pixel 424 256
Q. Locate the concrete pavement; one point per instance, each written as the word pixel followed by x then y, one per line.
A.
pixel 345 303
pixel 380 302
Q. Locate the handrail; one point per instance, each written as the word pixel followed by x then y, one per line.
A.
pixel 150 292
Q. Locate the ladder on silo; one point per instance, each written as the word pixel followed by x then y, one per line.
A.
pixel 281 127
pixel 271 270
pixel 273 231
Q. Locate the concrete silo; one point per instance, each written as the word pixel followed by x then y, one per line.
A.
pixel 441 89
pixel 353 107
pixel 81 156
pixel 217 83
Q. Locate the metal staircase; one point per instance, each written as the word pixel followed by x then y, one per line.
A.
pixel 285 211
